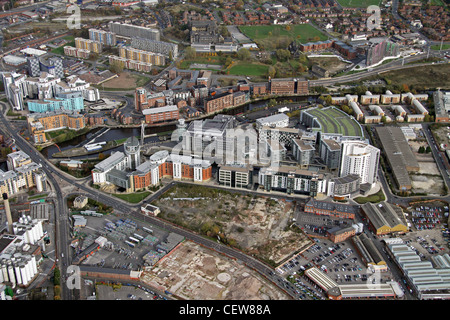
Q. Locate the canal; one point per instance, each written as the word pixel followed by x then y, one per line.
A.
pixel 257 109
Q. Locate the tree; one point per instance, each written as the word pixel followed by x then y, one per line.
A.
pixel 191 53
pixel 116 67
pixel 271 71
pixel 421 149
pixel 244 54
pixel 283 54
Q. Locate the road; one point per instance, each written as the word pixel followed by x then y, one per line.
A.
pixel 390 66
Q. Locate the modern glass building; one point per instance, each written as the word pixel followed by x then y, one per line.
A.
pixel 68 101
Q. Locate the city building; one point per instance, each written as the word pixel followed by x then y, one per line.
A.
pixel 303 152
pixel 133 31
pixel 441 106
pixel 341 188
pixel 161 114
pixel 87 44
pixel 150 57
pixel 104 37
pixel 292 180
pixel 279 120
pixel 166 49
pixel 330 153
pixel 67 101
pixel 235 176
pixel 335 209
pixel 40 123
pixel 359 158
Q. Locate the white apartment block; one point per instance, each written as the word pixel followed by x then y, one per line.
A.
pixel 359 158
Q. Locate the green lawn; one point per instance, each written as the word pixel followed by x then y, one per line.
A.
pixel 252 69
pixel 302 32
pixel 133 197
pixel 358 3
pixel 374 198
pixel 334 121
pixel 438 47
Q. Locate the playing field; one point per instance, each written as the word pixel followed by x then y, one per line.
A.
pixel 334 120
pixel 249 69
pixel 302 32
pixel 358 3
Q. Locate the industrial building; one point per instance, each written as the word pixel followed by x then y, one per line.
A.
pixel 398 155
pixel 428 281
pixel 384 218
pixel 353 291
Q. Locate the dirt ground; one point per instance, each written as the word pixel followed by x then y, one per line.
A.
pixel 257 225
pixel 124 80
pixel 332 64
pixel 442 135
pixel 194 272
pixel 428 179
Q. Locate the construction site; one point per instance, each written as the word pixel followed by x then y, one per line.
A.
pixel 193 272
pixel 257 225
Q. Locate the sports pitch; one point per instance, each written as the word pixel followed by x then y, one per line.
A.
pixel 334 120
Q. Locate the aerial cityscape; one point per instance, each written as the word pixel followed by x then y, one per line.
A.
pixel 225 150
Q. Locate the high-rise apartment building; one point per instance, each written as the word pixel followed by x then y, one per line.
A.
pixel 359 158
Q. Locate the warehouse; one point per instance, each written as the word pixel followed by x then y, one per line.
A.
pixel 369 253
pixel 384 218
pixel 398 155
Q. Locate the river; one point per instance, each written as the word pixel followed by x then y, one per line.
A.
pixel 120 133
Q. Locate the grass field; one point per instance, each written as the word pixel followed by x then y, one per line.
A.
pixel 302 32
pixel 133 197
pixel 422 77
pixel 336 121
pixel 358 3
pixel 246 69
pixel 438 47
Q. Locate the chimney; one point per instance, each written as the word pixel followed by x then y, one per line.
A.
pixel 8 213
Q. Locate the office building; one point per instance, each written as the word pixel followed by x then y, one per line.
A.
pixel 335 209
pixel 235 176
